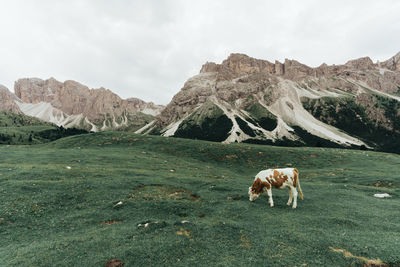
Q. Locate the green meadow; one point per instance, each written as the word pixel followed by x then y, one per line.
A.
pixel 156 201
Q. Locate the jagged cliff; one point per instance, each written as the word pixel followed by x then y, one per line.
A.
pixel 72 104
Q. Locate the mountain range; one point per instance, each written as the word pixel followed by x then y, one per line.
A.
pixel 71 104
pixel 243 99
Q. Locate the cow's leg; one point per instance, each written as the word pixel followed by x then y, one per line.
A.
pixel 270 200
pixel 294 193
pixel 290 197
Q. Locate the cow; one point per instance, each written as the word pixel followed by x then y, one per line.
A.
pixel 277 178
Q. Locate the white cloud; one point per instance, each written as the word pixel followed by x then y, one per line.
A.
pixel 148 49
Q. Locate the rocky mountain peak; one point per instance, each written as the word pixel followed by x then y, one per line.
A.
pixel 361 63
pixel 296 70
pixel 237 65
pixel 209 67
pixel 241 64
pixel 392 63
pixel 7 101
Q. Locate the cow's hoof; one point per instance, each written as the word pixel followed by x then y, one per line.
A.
pixel 293 207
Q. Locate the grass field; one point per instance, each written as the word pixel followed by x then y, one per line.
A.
pixel 185 202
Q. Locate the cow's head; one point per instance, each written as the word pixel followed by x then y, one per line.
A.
pixel 252 195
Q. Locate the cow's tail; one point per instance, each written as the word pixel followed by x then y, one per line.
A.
pixel 298 182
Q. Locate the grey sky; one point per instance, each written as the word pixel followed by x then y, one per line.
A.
pixel 148 49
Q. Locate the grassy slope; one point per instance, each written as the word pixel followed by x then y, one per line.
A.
pixel 207 123
pixel 345 114
pixel 51 216
pixel 262 117
pixel 21 129
pixel 16 128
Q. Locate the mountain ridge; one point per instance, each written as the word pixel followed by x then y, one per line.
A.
pixel 72 104
pixel 242 99
pixel 241 84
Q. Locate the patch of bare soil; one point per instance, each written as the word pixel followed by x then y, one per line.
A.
pixel 386 184
pixel 162 192
pixel 183 231
pixel 110 222
pixel 235 197
pixel 114 263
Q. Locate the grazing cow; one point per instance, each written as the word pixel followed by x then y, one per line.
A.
pixel 277 178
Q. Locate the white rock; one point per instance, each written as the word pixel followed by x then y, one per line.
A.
pixel 117 204
pixel 384 195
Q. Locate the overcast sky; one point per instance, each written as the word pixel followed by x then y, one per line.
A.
pixel 148 49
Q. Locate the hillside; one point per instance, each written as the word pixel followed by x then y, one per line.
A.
pixel 376 122
pixel 59 204
pixel 17 129
pixel 244 99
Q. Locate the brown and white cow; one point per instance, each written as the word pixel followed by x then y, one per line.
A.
pixel 277 178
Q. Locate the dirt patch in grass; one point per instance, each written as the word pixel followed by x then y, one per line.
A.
pixel 194 197
pixel 110 222
pixel 387 184
pixel 235 197
pixel 233 156
pixel 183 231
pixel 162 192
pixel 114 263
pixel 367 262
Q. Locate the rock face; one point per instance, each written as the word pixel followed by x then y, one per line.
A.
pixel 244 99
pixel 393 63
pixel 7 101
pixel 70 104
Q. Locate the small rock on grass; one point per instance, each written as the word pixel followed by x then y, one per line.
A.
pixel 384 195
pixel 151 224
pixel 181 222
pixel 117 204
